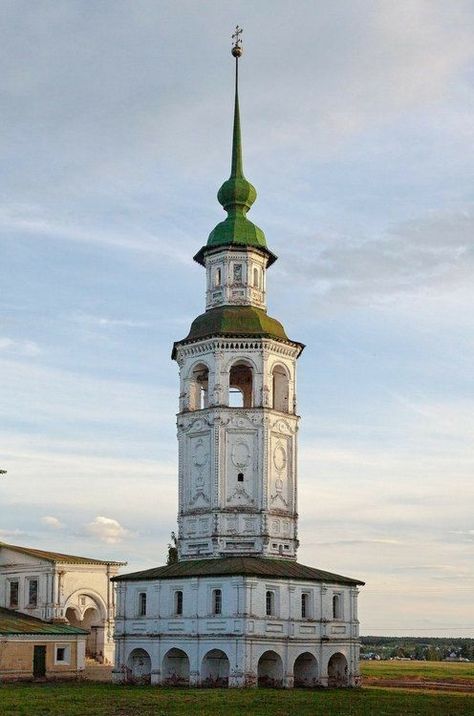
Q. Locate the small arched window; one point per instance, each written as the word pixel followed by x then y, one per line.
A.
pixel 178 602
pixel 336 606
pixel 142 604
pixel 218 277
pixel 217 601
pixel 256 277
pixel 270 603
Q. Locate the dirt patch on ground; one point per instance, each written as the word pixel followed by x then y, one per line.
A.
pixel 98 672
pixel 420 683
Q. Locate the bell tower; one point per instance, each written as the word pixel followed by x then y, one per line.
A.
pixel 237 422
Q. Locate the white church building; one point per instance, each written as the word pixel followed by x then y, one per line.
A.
pixel 237 609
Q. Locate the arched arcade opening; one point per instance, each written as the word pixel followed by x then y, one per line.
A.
pixel 215 669
pixel 175 671
pixel 270 669
pixel 338 672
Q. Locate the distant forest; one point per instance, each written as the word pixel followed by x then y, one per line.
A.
pixel 417 647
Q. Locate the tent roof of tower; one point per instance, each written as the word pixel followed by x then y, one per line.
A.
pixel 235 321
pixel 238 566
pixel 59 556
pixel 236 196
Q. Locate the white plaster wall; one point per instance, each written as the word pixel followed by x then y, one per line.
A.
pixel 243 631
pixel 233 290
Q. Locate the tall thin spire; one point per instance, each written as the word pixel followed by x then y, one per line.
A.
pixel 236 194
pixel 236 165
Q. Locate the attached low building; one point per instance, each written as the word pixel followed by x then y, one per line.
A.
pixel 31 648
pixel 57 587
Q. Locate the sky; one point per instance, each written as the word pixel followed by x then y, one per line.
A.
pixel 358 134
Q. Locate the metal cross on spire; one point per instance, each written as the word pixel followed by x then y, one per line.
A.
pixel 237 46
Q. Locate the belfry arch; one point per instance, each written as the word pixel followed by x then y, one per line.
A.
pixel 198 387
pixel 241 380
pixel 280 389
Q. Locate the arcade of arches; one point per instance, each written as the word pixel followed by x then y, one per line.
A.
pixel 215 669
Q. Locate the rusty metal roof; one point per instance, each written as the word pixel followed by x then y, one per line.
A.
pixel 238 566
pixel 58 556
pixel 12 622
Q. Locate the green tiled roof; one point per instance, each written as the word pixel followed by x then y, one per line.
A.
pixel 12 622
pixel 238 566
pixel 57 556
pixel 241 321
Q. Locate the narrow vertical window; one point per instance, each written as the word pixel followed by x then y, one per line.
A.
pixel 32 592
pixel 217 601
pixel 255 277
pixel 178 602
pixel 13 598
pixel 218 277
pixel 142 604
pixel 336 606
pixel 304 606
pixel 269 603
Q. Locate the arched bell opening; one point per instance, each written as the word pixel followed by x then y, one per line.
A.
pixel 280 389
pixel 241 386
pixel 199 387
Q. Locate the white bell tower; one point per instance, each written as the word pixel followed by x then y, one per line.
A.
pixel 237 422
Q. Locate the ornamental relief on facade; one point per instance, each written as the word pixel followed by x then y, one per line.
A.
pixel 200 450
pixel 279 483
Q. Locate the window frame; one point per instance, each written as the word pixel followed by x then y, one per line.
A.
pixel 178 602
pixel 337 606
pixel 11 604
pixel 142 604
pixel 29 583
pixel 67 654
pixel 216 598
pixel 270 603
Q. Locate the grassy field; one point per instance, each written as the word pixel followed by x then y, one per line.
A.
pixel 94 699
pixel 441 671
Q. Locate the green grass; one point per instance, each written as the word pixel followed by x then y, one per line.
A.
pixel 420 670
pixel 93 699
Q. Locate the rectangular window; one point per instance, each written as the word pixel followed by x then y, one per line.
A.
pixel 13 597
pixel 217 601
pixel 142 604
pixel 337 606
pixel 178 602
pixel 270 604
pixel 304 605
pixel 62 654
pixel 32 592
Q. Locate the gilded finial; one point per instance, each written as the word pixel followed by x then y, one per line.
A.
pixel 237 48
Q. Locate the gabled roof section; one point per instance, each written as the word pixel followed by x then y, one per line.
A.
pixel 12 622
pixel 58 556
pixel 238 566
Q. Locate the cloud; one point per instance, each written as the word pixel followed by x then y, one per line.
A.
pixel 52 522
pixel 7 534
pixel 107 530
pixel 430 255
pixel 29 349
